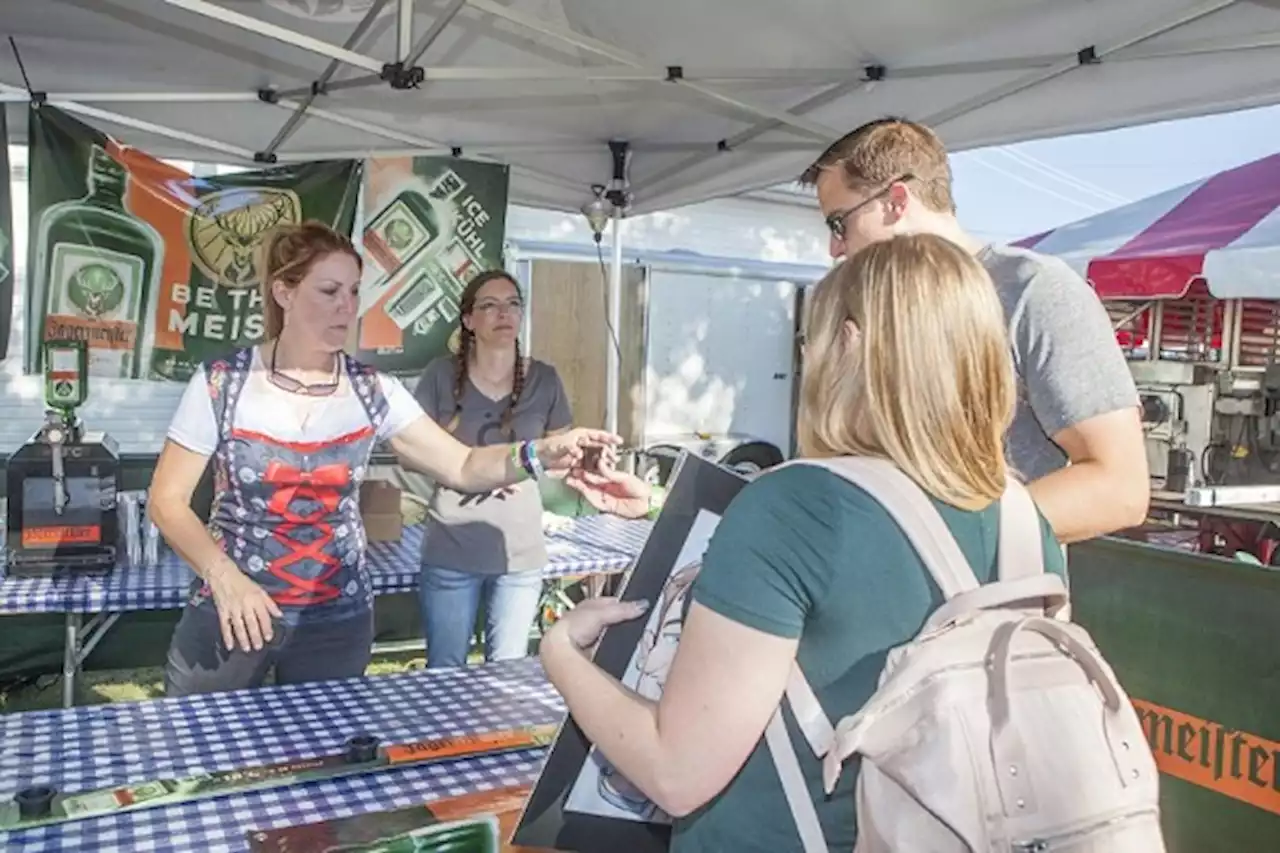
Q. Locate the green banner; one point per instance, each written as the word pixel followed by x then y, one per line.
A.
pixel 7 272
pixel 431 225
pixel 156 268
pixel 1195 642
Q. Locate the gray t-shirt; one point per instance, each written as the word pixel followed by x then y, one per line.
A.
pixel 1070 367
pixel 499 531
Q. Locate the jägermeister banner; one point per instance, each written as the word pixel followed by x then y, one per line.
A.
pixel 7 272
pixel 431 225
pixel 155 268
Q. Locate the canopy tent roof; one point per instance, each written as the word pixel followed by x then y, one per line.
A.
pixel 1224 229
pixel 714 97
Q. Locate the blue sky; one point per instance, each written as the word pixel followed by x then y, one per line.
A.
pixel 1011 192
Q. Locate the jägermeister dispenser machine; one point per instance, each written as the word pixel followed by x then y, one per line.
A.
pixel 62 484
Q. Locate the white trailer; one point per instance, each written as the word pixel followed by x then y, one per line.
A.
pixel 708 346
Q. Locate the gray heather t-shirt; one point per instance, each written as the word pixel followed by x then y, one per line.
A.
pixel 500 531
pixel 1070 367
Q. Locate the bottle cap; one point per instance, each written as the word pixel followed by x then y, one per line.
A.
pixel 361 749
pixel 35 802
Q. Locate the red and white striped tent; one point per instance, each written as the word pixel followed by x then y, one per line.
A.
pixel 1223 230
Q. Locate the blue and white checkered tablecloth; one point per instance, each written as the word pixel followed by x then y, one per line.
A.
pixel 97 746
pixel 589 545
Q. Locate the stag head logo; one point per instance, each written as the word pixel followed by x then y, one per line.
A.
pixel 227 227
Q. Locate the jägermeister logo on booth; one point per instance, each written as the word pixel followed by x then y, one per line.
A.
pixel 98 263
pixel 155 268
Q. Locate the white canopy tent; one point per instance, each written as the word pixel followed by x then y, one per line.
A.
pixel 711 97
pixel 714 97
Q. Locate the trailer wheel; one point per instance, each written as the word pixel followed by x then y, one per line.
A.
pixel 752 458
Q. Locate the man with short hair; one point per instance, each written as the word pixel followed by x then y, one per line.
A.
pixel 1077 436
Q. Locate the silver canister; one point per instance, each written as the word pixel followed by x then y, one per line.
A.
pixel 129 515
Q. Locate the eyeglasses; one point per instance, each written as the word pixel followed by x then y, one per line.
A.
pixel 837 219
pixel 293 386
pixel 514 306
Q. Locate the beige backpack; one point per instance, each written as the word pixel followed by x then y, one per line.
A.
pixel 997 728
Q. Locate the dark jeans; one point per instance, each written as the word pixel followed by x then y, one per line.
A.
pixel 199 662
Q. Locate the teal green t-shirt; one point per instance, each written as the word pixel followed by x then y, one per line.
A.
pixel 803 553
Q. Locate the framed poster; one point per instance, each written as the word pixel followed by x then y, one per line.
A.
pixel 580 802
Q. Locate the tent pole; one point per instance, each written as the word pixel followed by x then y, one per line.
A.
pixel 404 30
pixel 16 94
pixel 614 360
pixel 158 130
pixel 823 98
pixel 294 121
pixel 1093 55
pixel 288 36
pixel 675 73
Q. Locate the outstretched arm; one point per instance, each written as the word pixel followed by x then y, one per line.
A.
pixel 426 447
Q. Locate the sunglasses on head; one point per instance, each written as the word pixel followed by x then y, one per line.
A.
pixel 837 219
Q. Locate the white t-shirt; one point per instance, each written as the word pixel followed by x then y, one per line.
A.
pixel 268 410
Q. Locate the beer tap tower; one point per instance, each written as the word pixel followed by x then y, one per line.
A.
pixel 63 483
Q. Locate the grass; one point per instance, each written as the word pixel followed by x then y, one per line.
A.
pixel 137 685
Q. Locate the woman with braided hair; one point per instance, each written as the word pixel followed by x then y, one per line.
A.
pixel 487 546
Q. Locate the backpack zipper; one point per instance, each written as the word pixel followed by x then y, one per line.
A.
pixel 1045 845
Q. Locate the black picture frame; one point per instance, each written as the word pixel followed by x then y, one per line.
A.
pixel 697 486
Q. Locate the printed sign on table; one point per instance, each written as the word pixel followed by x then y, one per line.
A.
pixel 431 225
pixel 154 268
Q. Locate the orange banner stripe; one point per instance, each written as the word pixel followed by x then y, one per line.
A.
pixel 1233 763
pixel 160 194
pixel 469 744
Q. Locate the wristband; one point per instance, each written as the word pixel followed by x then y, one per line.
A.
pixel 535 464
pixel 517 459
pixel 526 458
pixel 657 497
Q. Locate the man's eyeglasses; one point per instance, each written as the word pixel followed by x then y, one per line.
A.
pixel 837 219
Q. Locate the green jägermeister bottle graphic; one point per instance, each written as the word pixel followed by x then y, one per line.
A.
pixel 411 224
pixel 98 264
pixel 400 231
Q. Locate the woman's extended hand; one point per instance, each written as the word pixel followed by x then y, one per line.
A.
pixel 562 451
pixel 584 624
pixel 244 610
pixel 612 491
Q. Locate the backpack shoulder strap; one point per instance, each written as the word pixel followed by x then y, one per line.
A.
pixel 913 511
pixel 1021 546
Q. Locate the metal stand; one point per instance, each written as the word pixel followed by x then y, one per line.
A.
pixel 76 652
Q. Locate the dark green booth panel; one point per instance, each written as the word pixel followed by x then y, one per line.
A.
pixel 1195 641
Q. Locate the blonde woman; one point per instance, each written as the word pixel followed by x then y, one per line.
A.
pixel 907 357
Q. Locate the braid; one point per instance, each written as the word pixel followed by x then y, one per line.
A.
pixel 460 378
pixel 517 385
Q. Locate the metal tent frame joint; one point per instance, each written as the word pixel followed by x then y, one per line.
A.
pixel 403 77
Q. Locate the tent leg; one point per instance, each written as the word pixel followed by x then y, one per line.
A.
pixel 614 366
